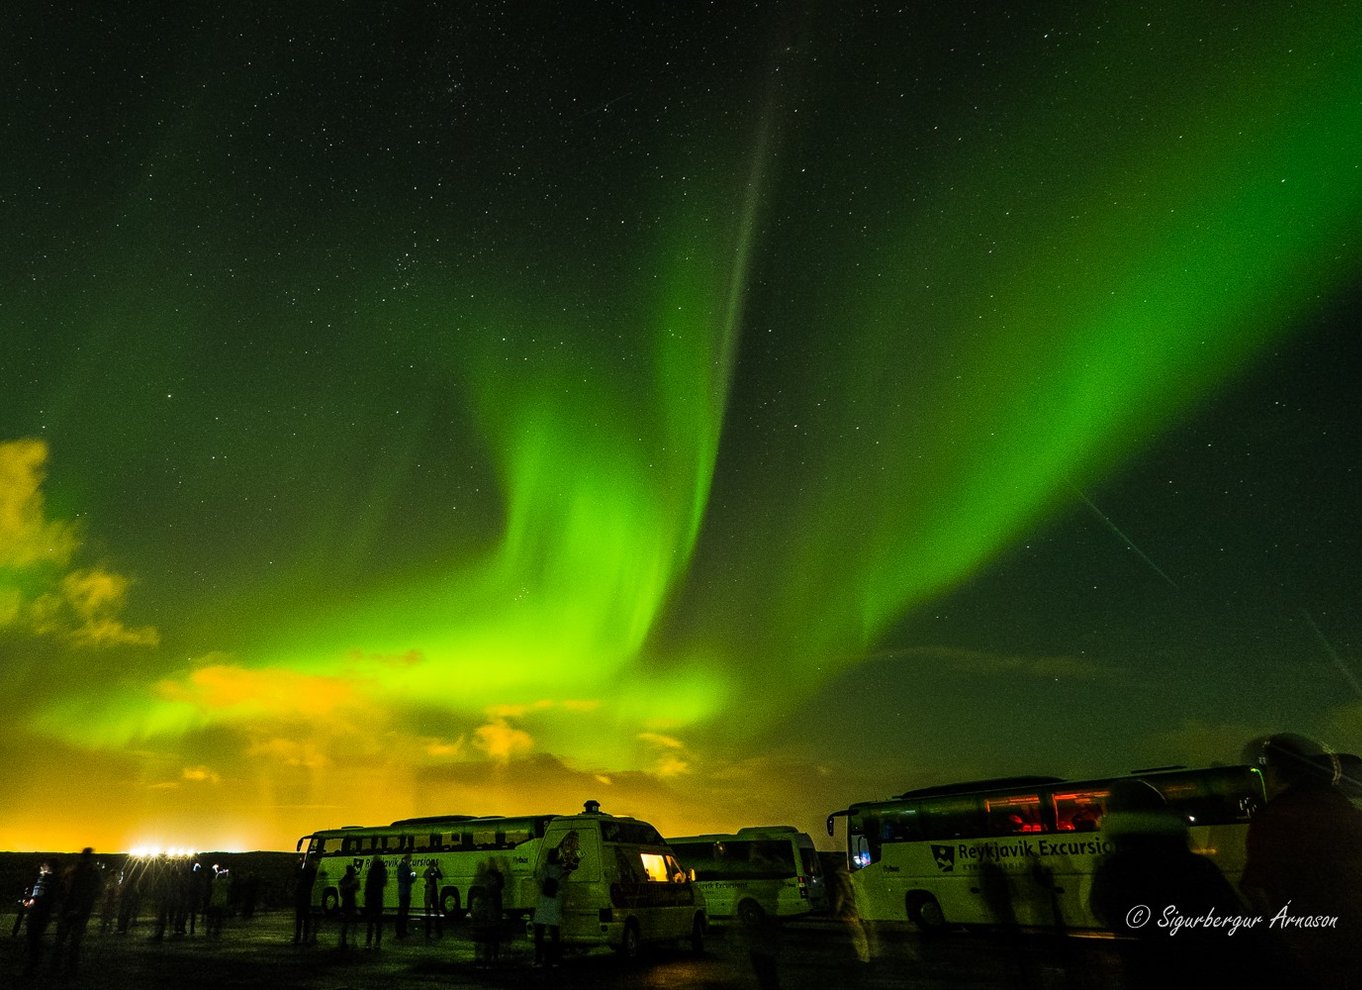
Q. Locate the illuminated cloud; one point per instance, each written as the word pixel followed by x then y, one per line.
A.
pixel 84 610
pixel 27 537
pixel 673 760
pixel 81 606
pixel 224 693
pixel 978 662
pixel 501 741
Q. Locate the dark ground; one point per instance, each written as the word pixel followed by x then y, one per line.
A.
pixel 814 955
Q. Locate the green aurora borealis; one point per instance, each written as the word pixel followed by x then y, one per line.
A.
pixel 457 411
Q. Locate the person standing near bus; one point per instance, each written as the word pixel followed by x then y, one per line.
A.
pixel 304 880
pixel 375 882
pixel 548 912
pixel 1304 858
pixel 434 909
pixel 349 894
pixel 406 876
pixel 486 916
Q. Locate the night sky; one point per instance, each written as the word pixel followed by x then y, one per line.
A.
pixel 723 411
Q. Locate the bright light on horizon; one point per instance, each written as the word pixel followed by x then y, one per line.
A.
pixel 153 851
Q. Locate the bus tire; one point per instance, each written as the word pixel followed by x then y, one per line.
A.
pixel 926 913
pixel 631 944
pixel 449 903
pixel 750 913
pixel 697 935
pixel 330 902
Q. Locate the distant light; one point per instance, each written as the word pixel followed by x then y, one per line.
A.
pixel 152 851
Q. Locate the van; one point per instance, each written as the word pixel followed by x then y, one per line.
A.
pixel 623 887
pixel 760 871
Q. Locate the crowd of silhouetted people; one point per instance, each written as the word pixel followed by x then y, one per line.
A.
pixel 171 897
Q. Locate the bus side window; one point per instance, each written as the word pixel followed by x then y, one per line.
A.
pixel 1017 814
pixel 655 867
pixel 953 817
pixel 1080 811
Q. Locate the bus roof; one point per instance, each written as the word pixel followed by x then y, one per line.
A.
pixel 976 786
pixel 746 832
pixel 1005 784
pixel 436 820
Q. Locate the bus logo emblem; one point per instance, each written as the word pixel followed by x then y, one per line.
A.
pixel 945 858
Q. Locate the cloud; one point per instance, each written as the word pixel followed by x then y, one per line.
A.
pixel 27 537
pixel 991 664
pixel 82 606
pixel 673 760
pixel 501 741
pixel 83 609
pixel 222 692
pixel 668 742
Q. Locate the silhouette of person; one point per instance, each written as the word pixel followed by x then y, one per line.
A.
pixel 1150 872
pixel 20 909
pixel 303 881
pixel 375 882
pixel 219 891
pixel 406 876
pixel 43 895
pixel 130 884
pixel 81 885
pixel 163 894
pixel 487 908
pixel 548 911
pixel 349 894
pixel 434 908
pixel 760 933
pixel 1304 857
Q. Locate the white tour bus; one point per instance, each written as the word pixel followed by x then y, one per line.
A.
pixel 464 848
pixel 1022 850
pixel 623 887
pixel 754 872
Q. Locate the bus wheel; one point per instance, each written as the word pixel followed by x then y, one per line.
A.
pixel 449 903
pixel 330 902
pixel 697 935
pixel 750 913
pixel 630 944
pixel 925 912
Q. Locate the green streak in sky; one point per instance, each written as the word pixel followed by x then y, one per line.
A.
pixel 1006 342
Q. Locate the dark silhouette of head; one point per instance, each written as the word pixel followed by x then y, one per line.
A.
pixel 1294 760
